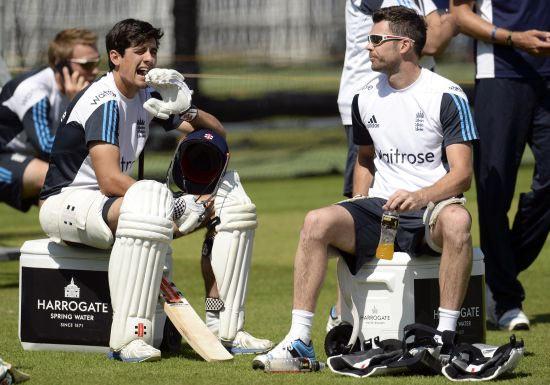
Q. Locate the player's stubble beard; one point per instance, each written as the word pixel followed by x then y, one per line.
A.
pixel 384 63
pixel 384 67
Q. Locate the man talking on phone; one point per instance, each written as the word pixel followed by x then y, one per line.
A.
pixel 31 106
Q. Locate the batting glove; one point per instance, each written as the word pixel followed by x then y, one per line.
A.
pixel 176 96
pixel 188 213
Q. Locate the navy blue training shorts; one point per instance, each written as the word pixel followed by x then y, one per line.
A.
pixel 367 214
pixel 12 167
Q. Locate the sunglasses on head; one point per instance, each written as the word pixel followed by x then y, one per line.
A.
pixel 87 64
pixel 376 39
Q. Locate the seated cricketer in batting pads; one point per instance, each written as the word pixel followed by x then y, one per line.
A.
pixel 89 197
pixel 30 110
pixel 414 132
pixel 199 171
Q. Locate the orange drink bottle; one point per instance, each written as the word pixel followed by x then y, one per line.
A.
pixel 389 223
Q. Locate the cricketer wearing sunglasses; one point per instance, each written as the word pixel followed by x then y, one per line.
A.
pixel 31 106
pixel 414 132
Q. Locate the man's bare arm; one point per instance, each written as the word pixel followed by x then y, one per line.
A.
pixel 106 163
pixel 454 183
pixel 363 173
pixel 459 178
pixel 441 29
pixel 534 42
pixel 202 120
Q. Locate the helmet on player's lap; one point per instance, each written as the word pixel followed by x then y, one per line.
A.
pixel 199 162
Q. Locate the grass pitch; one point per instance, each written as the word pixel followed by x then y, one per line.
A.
pixel 282 205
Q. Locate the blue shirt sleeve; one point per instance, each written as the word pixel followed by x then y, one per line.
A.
pixel 102 125
pixel 361 135
pixel 456 120
pixel 39 129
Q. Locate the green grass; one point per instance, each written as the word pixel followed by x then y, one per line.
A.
pixel 244 80
pixel 282 205
pixel 458 72
pixel 275 153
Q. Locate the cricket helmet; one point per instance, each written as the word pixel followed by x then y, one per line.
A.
pixel 337 339
pixel 199 162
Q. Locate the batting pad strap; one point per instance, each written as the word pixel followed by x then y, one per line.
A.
pixel 238 217
pixel 230 192
pixel 213 304
pixel 144 227
pixel 212 223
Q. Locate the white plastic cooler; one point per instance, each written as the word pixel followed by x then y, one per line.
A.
pixel 390 294
pixel 64 300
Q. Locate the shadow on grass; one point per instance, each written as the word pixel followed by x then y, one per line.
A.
pixel 419 372
pixel 13 285
pixel 512 376
pixel 186 352
pixel 491 326
pixel 541 319
pixel 428 375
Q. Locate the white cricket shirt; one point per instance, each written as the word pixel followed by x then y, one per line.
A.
pixel 410 129
pixel 357 71
pixel 99 114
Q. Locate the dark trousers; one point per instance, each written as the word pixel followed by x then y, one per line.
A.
pixel 509 114
pixel 350 163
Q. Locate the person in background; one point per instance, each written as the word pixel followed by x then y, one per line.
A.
pixel 512 109
pixel 31 106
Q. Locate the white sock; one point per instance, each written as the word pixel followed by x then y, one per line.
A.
pixel 447 319
pixel 302 320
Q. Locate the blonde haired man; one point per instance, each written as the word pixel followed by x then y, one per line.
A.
pixel 30 110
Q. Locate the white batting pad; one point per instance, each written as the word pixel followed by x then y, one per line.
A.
pixel 160 316
pixel 232 251
pixel 75 216
pixel 143 236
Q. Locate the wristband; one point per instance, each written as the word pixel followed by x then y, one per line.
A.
pixel 213 304
pixel 190 114
pixel 494 33
pixel 508 40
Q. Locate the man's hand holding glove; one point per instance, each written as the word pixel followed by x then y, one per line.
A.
pixel 176 96
pixel 188 213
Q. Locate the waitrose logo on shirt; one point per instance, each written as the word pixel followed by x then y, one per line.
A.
pixel 394 156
